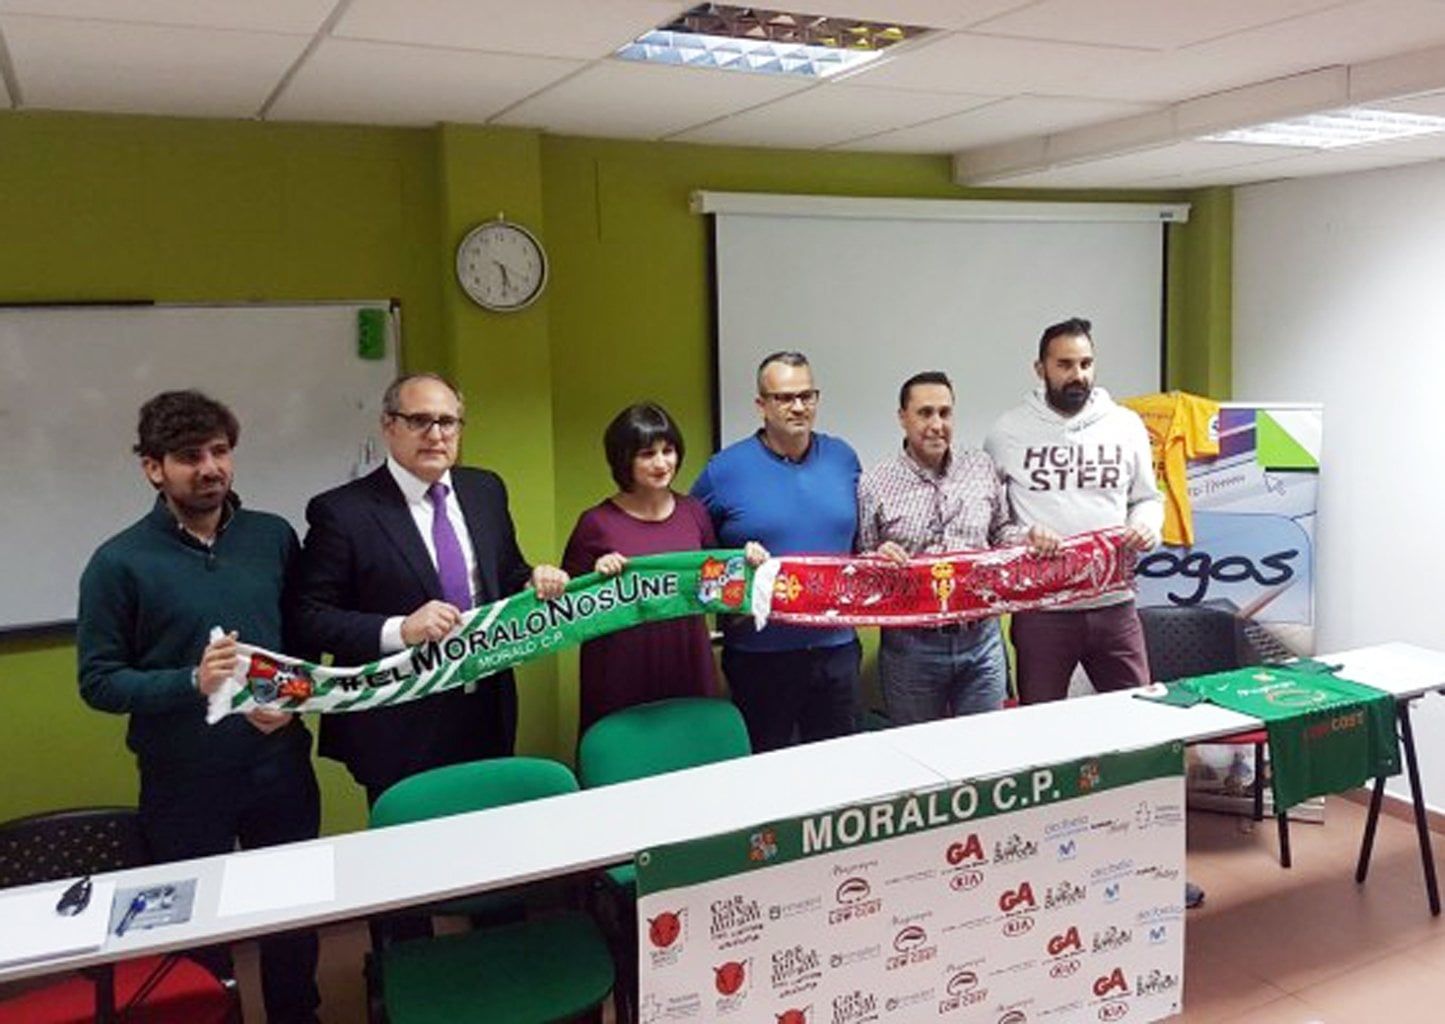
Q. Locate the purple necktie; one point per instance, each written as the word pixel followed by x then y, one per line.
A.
pixel 451 563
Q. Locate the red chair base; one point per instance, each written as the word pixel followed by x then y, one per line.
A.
pixel 188 994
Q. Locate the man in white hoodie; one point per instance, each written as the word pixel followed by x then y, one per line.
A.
pixel 1073 461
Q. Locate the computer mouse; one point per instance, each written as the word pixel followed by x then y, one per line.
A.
pixel 75 899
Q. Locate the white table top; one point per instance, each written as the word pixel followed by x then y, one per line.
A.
pixel 411 864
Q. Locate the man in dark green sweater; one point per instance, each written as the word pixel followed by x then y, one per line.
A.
pixel 148 601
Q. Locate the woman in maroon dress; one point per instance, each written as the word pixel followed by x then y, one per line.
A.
pixel 645 517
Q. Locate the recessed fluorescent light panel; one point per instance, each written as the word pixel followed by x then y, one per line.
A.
pixel 766 41
pixel 1356 126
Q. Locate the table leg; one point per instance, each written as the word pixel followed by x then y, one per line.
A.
pixel 103 978
pixel 1422 826
pixel 1367 843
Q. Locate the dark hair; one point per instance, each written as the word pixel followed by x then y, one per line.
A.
pixel 787 358
pixel 174 420
pixel 926 377
pixel 1073 327
pixel 636 429
pixel 391 399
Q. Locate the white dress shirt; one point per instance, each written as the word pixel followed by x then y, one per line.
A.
pixel 414 489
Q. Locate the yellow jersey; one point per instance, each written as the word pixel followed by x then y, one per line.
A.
pixel 1181 427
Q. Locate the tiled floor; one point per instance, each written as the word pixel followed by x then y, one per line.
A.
pixel 1269 946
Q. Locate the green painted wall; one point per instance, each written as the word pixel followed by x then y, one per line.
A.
pixel 175 210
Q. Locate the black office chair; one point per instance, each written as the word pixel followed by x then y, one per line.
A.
pixel 67 844
pixel 1198 640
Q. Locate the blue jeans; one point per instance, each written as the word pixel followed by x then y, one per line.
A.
pixel 928 673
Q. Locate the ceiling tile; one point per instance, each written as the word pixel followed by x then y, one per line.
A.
pixel 152 69
pixel 928 13
pixel 1158 24
pixel 615 98
pixel 553 28
pixel 998 122
pixel 298 17
pixel 829 114
pixel 1345 34
pixel 1343 161
pixel 380 83
pixel 1432 103
pixel 1129 170
pixel 995 66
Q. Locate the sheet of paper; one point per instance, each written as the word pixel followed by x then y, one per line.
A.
pixel 32 930
pixel 275 879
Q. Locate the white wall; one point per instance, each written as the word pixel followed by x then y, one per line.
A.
pixel 1339 296
pixel 873 301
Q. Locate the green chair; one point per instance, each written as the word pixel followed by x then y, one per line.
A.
pixel 550 968
pixel 651 739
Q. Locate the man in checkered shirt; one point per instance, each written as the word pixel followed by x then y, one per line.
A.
pixel 930 499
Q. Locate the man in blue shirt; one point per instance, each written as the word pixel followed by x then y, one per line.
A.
pixel 794 491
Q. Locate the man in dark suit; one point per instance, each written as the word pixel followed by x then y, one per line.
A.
pixel 394 559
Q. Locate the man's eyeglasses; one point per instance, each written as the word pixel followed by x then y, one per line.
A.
pixel 420 422
pixel 783 399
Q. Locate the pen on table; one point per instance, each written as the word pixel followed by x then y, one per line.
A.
pixel 137 904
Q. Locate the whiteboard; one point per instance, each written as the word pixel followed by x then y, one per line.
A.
pixel 73 378
pixel 871 301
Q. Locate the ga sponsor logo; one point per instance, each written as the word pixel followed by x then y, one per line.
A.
pixel 1113 983
pixel 1013 899
pixel 1066 942
pixel 1118 1009
pixel 969 851
pixel 795 1016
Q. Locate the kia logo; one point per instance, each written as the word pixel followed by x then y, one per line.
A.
pixel 965 880
pixel 1113 1011
pixel 1016 926
pixel 1064 969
